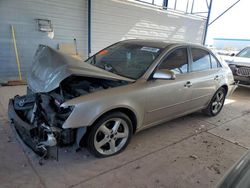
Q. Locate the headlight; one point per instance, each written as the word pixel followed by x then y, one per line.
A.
pixel 233 68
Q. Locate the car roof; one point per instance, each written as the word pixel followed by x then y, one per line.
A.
pixel 159 43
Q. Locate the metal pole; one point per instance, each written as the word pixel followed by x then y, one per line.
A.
pixel 192 7
pixel 187 6
pixel 207 3
pixel 89 27
pixel 16 52
pixel 208 18
pixel 175 4
pixel 165 4
pixel 224 12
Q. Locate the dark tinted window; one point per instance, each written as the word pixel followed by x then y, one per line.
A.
pixel 214 62
pixel 177 61
pixel 201 60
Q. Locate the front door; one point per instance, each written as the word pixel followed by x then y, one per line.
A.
pixel 167 99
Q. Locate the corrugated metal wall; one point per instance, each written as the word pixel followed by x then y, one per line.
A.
pixel 69 19
pixel 114 20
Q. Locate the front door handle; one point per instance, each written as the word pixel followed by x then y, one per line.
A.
pixel 188 84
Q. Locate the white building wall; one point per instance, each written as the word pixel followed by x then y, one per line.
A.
pixel 69 19
pixel 114 20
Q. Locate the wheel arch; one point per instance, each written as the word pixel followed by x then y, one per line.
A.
pixel 130 113
pixel 225 87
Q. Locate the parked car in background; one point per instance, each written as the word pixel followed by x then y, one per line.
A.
pixel 238 175
pixel 124 88
pixel 240 65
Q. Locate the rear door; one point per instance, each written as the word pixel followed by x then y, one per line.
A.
pixel 204 77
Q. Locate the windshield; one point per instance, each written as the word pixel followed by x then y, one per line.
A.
pixel 244 53
pixel 125 59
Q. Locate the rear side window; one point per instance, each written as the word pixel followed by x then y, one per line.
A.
pixel 201 60
pixel 214 62
pixel 177 61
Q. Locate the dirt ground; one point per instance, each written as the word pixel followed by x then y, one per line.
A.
pixel 192 151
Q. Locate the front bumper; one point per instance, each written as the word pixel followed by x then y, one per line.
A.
pixel 242 79
pixel 25 131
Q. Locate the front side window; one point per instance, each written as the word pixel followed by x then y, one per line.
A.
pixel 177 61
pixel 126 59
pixel 201 60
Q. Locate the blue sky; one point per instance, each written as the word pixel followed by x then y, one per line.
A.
pixel 233 24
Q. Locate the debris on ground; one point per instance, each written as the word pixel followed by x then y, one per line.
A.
pixel 215 168
pixel 193 156
pixel 203 127
pixel 227 129
pixel 85 156
pixel 9 139
pixel 205 141
pixel 157 181
pixel 14 83
pixel 138 167
pixel 200 129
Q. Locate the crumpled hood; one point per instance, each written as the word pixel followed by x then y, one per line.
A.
pixel 241 61
pixel 50 67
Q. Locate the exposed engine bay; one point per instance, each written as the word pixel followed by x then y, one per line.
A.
pixel 44 115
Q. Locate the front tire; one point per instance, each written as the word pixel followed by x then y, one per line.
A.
pixel 217 103
pixel 110 135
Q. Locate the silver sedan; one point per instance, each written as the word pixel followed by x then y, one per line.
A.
pixel 124 88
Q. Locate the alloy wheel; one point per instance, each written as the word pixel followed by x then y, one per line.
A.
pixel 111 136
pixel 218 101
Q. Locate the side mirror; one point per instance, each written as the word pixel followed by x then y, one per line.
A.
pixel 164 75
pixel 233 54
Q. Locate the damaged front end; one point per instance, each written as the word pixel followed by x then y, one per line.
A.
pixel 53 80
pixel 38 119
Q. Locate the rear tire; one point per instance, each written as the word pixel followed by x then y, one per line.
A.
pixel 110 135
pixel 216 104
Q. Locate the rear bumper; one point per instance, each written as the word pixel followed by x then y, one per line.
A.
pixel 25 131
pixel 232 88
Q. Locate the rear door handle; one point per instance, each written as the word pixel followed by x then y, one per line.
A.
pixel 216 77
pixel 188 84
